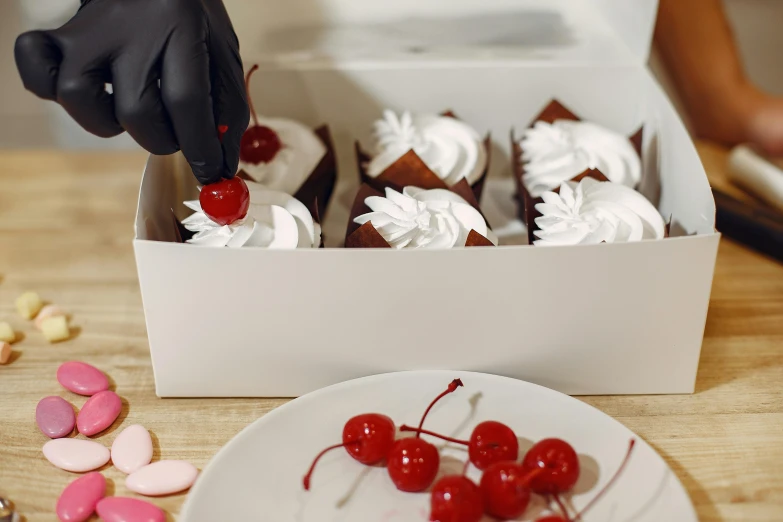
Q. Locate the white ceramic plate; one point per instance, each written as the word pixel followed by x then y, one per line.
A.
pixel 258 475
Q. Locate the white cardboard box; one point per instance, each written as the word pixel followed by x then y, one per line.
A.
pixel 605 319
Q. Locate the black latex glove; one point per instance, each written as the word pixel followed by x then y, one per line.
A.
pixel 175 72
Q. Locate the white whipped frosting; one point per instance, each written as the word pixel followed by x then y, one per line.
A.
pixel 274 220
pixel 418 218
pixel 592 211
pixel 450 148
pixel 560 151
pixel 292 165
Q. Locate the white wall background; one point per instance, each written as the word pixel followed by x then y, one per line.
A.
pixel 26 121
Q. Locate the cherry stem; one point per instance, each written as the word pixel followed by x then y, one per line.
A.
pixel 250 98
pixel 456 383
pixel 562 507
pixel 306 480
pixel 419 431
pixel 609 484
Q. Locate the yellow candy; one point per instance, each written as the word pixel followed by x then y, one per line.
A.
pixel 7 334
pixel 55 329
pixel 28 304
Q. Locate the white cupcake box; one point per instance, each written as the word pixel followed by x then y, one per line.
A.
pixel 605 319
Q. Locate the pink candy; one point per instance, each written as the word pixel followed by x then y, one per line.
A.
pixel 78 500
pixel 123 509
pixel 81 378
pixel 55 417
pixel 98 413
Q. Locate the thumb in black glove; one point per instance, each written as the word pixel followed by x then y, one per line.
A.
pixel 175 73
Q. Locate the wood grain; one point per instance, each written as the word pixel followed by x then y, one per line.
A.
pixel 65 228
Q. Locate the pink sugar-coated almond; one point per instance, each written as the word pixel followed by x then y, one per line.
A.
pixel 98 413
pixel 162 478
pixel 132 449
pixel 76 455
pixel 81 378
pixel 124 509
pixel 78 500
pixel 45 313
pixel 55 417
pixel 5 352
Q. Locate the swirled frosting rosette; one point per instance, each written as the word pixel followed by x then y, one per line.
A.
pixel 591 212
pixel 453 151
pixel 274 220
pixel 416 218
pixel 559 147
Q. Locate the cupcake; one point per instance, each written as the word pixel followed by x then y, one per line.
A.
pixel 453 151
pixel 559 147
pixel 287 156
pixel 416 217
pixel 592 212
pixel 274 219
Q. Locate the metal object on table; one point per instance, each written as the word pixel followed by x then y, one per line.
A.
pixel 7 513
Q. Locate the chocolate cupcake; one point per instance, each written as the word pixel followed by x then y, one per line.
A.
pixel 558 147
pixel 287 156
pixel 414 217
pixel 591 212
pixel 452 150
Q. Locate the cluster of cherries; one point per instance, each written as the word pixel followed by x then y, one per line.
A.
pixel 228 200
pixel 550 467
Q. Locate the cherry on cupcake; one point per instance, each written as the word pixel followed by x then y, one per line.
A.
pixel 490 442
pixel 367 438
pixel 259 143
pixel 226 201
pixel 413 462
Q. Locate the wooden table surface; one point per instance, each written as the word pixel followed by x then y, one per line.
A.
pixel 65 230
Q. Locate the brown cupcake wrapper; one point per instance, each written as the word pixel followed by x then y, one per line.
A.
pixel 366 236
pixel 526 204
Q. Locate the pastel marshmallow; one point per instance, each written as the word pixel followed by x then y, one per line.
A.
pixel 7 333
pixel 5 352
pixel 162 478
pixel 28 304
pixel 47 312
pixel 76 455
pixel 55 328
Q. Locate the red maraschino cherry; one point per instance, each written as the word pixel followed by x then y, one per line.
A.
pixel 225 201
pixel 456 498
pixel 259 143
pixel 505 488
pixel 413 462
pixel 578 516
pixel 490 442
pixel 559 464
pixel 367 438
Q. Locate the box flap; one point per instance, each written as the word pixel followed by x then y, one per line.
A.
pixel 316 32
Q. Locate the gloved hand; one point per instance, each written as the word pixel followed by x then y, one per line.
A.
pixel 175 73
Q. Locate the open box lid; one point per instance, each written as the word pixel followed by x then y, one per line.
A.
pixel 313 33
